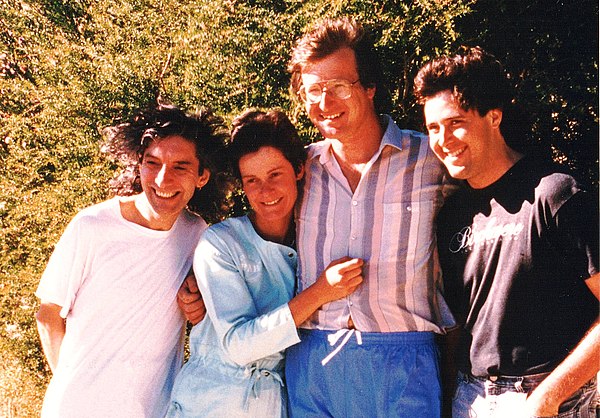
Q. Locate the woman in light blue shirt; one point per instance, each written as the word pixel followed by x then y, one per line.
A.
pixel 245 269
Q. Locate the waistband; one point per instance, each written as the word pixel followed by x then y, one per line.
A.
pixel 409 337
pixel 496 385
pixel 500 379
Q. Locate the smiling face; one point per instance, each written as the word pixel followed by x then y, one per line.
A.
pixel 336 118
pixel 169 177
pixel 269 182
pixel 470 145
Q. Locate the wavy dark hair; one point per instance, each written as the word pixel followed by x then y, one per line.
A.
pixel 126 143
pixel 255 129
pixel 326 37
pixel 477 81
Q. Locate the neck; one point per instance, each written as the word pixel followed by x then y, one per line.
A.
pixel 352 154
pixel 503 161
pixel 361 145
pixel 280 231
pixel 138 211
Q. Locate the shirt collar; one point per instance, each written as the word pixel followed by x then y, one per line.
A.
pixel 392 137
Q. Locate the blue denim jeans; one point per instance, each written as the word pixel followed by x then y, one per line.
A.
pixel 505 397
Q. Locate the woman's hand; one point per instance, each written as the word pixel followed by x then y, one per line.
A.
pixel 340 278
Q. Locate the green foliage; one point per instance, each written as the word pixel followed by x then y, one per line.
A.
pixel 231 55
pixel 551 50
pixel 68 68
pixel 410 34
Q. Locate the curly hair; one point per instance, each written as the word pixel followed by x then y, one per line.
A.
pixel 126 143
pixel 255 129
pixel 326 37
pixel 477 81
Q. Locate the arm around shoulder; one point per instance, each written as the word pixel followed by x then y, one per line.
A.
pixel 51 328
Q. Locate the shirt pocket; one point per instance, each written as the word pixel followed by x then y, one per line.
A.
pixel 409 227
pixel 424 210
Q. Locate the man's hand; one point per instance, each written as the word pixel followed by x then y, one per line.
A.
pixel 190 300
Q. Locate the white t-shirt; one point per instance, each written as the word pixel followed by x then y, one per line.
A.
pixel 117 282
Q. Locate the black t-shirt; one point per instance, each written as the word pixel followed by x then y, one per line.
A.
pixel 515 257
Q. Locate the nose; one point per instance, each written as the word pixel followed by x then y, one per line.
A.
pixel 263 188
pixel 326 98
pixel 161 176
pixel 266 187
pixel 443 136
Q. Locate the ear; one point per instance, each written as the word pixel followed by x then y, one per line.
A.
pixel 495 117
pixel 371 92
pixel 203 179
pixel 300 173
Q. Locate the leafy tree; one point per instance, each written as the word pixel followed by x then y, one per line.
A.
pixel 68 68
pixel 551 50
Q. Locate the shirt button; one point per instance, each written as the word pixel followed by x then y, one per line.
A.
pixel 291 255
pixel 354 203
pixel 409 208
pixel 353 237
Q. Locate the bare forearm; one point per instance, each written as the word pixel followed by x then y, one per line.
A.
pixel 51 328
pixel 305 304
pixel 577 369
pixel 51 341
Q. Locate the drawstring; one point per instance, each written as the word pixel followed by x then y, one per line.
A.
pixel 334 338
pixel 255 374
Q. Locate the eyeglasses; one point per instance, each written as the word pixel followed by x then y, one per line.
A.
pixel 313 93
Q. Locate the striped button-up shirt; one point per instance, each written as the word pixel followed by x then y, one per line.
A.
pixel 389 222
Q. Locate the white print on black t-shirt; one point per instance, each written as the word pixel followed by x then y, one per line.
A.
pixel 480 233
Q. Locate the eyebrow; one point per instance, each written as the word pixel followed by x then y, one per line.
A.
pixel 450 117
pixel 180 162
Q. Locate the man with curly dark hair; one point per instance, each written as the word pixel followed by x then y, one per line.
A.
pixel 109 323
pixel 518 247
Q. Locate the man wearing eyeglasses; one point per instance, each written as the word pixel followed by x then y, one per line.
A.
pixel 372 191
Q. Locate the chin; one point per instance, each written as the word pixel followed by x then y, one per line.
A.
pixel 457 172
pixel 273 216
pixel 328 131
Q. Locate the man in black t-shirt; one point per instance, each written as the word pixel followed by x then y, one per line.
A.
pixel 519 253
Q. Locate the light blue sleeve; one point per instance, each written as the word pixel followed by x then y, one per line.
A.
pixel 245 335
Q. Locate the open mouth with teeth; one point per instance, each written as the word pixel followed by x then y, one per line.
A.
pixel 456 153
pixel 164 195
pixel 273 202
pixel 331 117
